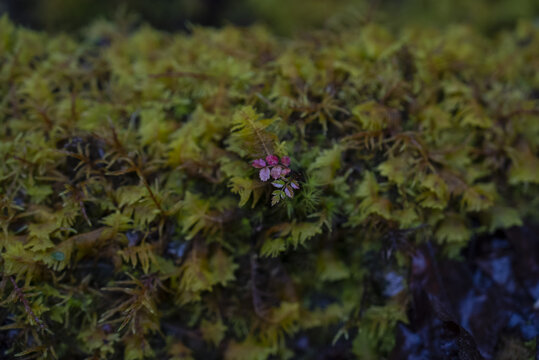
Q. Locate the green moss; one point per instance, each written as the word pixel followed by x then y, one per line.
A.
pixel 133 224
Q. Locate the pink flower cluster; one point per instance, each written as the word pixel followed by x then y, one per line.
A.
pixel 271 167
pixel 278 170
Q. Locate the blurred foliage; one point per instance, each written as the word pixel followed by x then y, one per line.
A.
pixel 134 226
pixel 282 16
pixel 488 16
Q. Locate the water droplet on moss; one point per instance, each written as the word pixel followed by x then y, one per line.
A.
pixel 58 255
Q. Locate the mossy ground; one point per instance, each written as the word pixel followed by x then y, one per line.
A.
pixel 134 225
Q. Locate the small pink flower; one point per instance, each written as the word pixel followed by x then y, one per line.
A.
pixel 289 192
pixel 272 160
pixel 264 174
pixel 276 172
pixel 285 160
pixel 259 163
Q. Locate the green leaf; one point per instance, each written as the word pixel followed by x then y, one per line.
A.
pixel 301 232
pixel 396 169
pixel 249 135
pixel 525 166
pixel 502 217
pixel 272 247
pixel 213 331
pixel 39 192
pixel 246 188
pixel 330 268
pixel 453 229
pixel 129 195
pixel 222 268
pixel 479 197
pixel 248 349
pixel 372 116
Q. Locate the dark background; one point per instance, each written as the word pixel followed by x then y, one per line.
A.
pixel 284 17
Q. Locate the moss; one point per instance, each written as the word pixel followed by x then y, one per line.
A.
pixel 134 224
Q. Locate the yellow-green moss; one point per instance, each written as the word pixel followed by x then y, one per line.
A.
pixel 133 224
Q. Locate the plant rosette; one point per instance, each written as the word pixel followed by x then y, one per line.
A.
pixel 277 169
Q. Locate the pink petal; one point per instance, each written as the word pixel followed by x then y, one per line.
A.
pixel 259 163
pixel 285 160
pixel 264 174
pixel 285 171
pixel 272 160
pixel 289 192
pixel 276 172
